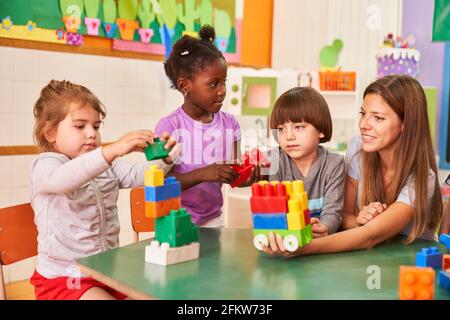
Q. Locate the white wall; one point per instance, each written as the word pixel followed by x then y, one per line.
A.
pixel 135 92
pixel 302 27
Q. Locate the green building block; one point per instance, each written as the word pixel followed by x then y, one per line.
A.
pixel 176 228
pixel 156 150
pixel 304 236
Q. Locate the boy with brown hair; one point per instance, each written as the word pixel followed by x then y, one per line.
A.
pixel 301 120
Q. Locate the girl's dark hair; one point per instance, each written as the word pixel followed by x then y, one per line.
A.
pixel 190 54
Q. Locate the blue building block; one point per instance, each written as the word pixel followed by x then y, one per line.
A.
pixel 429 257
pixel 445 240
pixel 170 189
pixel 269 221
pixel 444 280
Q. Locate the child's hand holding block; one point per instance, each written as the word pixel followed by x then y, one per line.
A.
pixel 156 150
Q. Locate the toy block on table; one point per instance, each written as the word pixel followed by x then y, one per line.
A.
pixel 268 199
pixel 444 279
pixel 165 255
pixel 269 221
pixel 289 197
pixel 292 239
pixel 176 228
pixel 153 176
pixel 445 240
pixel 156 209
pixel 156 150
pixel 416 283
pixel 429 257
pixel 170 189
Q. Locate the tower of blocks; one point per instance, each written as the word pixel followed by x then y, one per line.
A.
pixel 176 237
pixel 280 207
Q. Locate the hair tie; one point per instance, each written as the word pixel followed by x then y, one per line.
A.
pixel 184 53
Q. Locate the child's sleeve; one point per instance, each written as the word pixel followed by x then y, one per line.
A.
pixel 54 173
pixel 333 200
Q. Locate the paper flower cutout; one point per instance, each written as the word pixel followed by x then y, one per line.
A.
pixel 60 33
pixel 7 23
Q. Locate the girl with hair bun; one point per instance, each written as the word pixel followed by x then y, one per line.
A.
pixel 209 137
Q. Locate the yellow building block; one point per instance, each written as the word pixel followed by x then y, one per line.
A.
pixel 298 187
pixel 154 176
pixel 288 186
pixel 296 221
pixel 263 182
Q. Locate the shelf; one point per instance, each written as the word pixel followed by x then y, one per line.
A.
pixel 338 93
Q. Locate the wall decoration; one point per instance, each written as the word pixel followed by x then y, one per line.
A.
pixel 145 26
pixel 441 21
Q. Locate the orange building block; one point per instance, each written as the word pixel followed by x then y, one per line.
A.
pixel 161 208
pixel 416 283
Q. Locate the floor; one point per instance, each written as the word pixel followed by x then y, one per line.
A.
pixel 21 290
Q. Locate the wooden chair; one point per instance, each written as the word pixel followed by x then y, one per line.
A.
pixel 18 237
pixel 139 221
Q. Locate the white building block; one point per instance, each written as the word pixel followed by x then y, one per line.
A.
pixel 165 255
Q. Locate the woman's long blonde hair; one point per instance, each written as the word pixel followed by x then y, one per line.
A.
pixel 414 154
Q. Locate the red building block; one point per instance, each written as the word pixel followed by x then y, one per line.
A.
pixel 269 198
pixel 248 162
pixel 307 217
pixel 446 262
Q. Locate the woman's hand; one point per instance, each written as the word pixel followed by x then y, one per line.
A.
pixel 369 212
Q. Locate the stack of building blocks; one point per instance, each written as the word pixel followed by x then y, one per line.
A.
pixel 429 257
pixel 280 208
pixel 248 162
pixel 416 283
pixel 161 195
pixel 156 150
pixel 176 237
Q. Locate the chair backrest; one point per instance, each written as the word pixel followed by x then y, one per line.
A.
pixel 139 221
pixel 18 237
pixel 18 234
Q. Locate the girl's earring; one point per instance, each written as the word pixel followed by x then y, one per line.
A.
pixel 186 93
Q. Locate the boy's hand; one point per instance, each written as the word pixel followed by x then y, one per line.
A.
pixel 318 229
pixel 132 141
pixel 217 172
pixel 170 144
pixel 276 247
pixel 369 212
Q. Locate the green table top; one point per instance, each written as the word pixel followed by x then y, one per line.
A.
pixel 230 267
